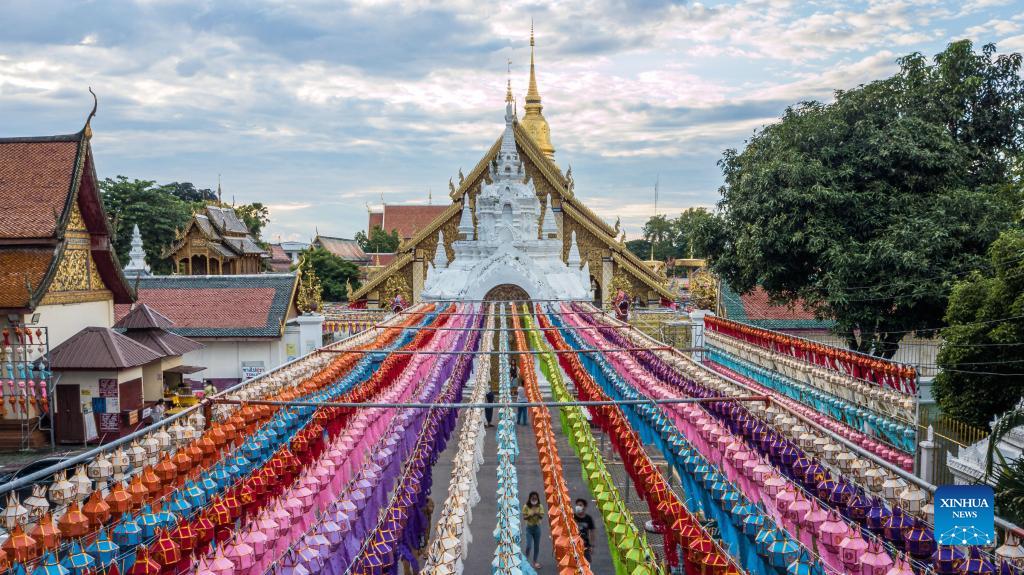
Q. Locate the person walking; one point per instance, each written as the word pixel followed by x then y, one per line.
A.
pixel 585 525
pixel 532 514
pixel 489 411
pixel 521 417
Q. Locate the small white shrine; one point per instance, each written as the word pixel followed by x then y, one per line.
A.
pixel 137 264
pixel 511 245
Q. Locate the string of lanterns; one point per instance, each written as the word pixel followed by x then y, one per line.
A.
pixel 630 551
pixel 450 545
pixel 878 371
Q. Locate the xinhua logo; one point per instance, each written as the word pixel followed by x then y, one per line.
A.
pixel 964 515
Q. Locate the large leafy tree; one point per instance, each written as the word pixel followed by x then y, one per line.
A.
pixel 982 349
pixel 334 273
pixel 187 192
pixel 255 216
pixel 378 241
pixel 158 214
pixel 867 207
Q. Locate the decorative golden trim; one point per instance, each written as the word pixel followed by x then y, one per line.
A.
pixel 69 297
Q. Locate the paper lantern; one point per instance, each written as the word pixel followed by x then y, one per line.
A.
pixel 47 566
pixel 96 510
pixel 919 541
pixel 977 564
pixel 61 491
pixel 20 548
pixel 833 531
pixel 875 561
pixel 15 513
pixel 144 564
pixel 103 550
pixel 37 504
pixel 127 532
pixel 73 523
pixel 120 499
pixel 77 561
pixel 1011 550
pixel 46 534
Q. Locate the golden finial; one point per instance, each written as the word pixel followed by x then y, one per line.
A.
pixel 88 121
pixel 533 117
pixel 508 90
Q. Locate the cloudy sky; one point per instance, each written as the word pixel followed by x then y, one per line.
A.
pixel 319 108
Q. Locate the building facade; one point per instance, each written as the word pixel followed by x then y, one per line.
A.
pixel 216 242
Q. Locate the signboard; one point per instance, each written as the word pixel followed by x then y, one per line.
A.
pixel 251 369
pixel 113 405
pixel 133 417
pixel 90 426
pixel 965 515
pixel 147 412
pixel 108 388
pixel 110 422
pixel 291 350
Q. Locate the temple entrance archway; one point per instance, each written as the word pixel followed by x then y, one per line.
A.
pixel 506 292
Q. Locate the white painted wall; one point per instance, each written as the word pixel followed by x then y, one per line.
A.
pixel 65 320
pixel 223 358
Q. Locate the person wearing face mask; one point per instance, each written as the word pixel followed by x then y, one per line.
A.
pixel 585 525
pixel 532 514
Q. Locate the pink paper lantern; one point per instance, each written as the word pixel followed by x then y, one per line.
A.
pixel 875 561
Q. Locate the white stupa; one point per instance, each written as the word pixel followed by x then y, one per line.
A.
pixel 510 246
pixel 137 263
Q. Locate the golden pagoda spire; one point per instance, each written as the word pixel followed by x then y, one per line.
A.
pixel 533 118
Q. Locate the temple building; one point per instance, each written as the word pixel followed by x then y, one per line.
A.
pixel 57 265
pixel 507 255
pixel 216 242
pixel 610 265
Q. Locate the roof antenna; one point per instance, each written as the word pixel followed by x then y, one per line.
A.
pixel 95 104
pixel 219 202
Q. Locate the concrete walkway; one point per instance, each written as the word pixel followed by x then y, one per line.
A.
pixel 530 479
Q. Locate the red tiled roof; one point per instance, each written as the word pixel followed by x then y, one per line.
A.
pixel 100 348
pixel 381 258
pixel 227 306
pixel 40 178
pixel 18 268
pixel 408 220
pixel 279 260
pixel 211 307
pixel 376 218
pixel 35 184
pixel 759 307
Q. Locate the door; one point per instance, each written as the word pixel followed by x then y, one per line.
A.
pixel 70 425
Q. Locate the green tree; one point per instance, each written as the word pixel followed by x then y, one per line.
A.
pixel 865 207
pixel 660 232
pixel 255 216
pixel 688 228
pixel 158 214
pixel 379 241
pixel 187 192
pixel 334 273
pixel 641 248
pixel 981 349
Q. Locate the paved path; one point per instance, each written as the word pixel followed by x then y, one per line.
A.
pixel 530 479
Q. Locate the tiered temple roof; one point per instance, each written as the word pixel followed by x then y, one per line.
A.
pixel 55 240
pixel 216 241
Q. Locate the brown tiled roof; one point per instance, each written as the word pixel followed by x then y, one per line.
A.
pixel 143 317
pixel 279 260
pixel 18 268
pixel 343 248
pixel 219 306
pixel 408 220
pixel 36 181
pixel 226 220
pixel 100 348
pixel 164 342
